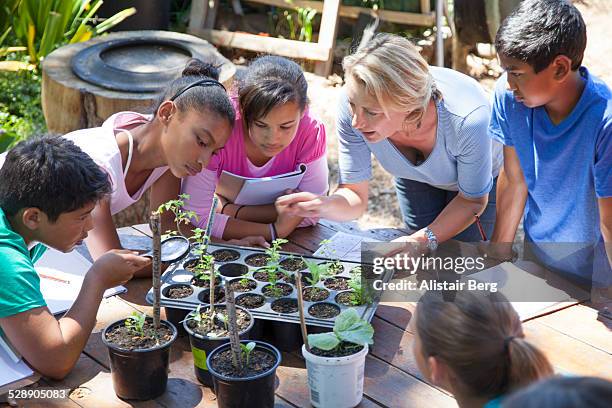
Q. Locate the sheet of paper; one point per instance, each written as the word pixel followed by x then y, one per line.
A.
pixel 344 246
pixel 258 191
pixel 61 278
pixel 11 371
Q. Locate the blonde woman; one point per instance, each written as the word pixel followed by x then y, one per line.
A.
pixel 427 126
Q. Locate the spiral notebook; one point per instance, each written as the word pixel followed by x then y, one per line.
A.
pixel 257 191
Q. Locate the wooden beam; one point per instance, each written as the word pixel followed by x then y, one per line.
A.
pixel 327 35
pixel 400 17
pixel 425 6
pixel 197 16
pixel 269 45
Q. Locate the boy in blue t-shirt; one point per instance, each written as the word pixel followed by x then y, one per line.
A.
pixel 555 122
pixel 48 189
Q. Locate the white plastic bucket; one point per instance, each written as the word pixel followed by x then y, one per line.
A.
pixel 335 382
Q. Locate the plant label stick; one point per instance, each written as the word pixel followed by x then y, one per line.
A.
pixel 300 296
pixel 230 305
pixel 212 288
pixel 211 216
pixel 155 227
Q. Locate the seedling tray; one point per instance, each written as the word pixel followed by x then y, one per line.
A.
pixel 177 274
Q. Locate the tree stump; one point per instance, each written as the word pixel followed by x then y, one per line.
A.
pixel 70 103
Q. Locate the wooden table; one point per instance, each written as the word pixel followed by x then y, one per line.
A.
pixel 575 339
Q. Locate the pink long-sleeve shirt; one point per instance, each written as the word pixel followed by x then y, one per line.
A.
pixel 308 147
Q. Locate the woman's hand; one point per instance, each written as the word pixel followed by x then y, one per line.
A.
pixel 411 245
pixel 302 204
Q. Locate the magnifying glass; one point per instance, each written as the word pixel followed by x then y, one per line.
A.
pixel 172 249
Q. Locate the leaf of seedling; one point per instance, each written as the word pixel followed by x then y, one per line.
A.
pixel 135 323
pixel 316 271
pixel 323 341
pixel 223 319
pixel 246 350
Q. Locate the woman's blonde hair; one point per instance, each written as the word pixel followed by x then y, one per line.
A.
pixel 394 72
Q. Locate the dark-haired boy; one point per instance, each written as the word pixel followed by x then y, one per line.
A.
pixel 555 121
pixel 48 188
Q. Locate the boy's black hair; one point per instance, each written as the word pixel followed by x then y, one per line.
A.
pixel 537 31
pixel 563 392
pixel 270 81
pixel 52 174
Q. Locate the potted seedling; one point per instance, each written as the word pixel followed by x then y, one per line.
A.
pixel 335 361
pixel 313 293
pixel 334 266
pixel 139 346
pixel 243 372
pixel 207 328
pixel 356 295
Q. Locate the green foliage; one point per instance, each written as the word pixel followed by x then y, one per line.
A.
pixel 246 351
pixel 204 269
pixel 358 296
pixel 348 327
pixel 180 216
pixel 295 23
pixel 20 108
pixel 316 271
pixel 274 255
pixel 44 25
pixel 135 323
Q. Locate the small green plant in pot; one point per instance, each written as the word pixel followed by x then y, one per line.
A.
pixel 139 346
pixel 243 372
pixel 335 361
pixel 208 329
pixel 313 293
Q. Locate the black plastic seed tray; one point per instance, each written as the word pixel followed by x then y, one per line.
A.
pixel 239 266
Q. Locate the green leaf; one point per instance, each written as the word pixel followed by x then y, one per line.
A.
pixel 351 328
pixel 323 341
pixel 250 346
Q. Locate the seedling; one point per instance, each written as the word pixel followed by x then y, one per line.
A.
pixel 244 282
pixel 274 254
pixel 327 252
pixel 223 319
pixel 246 351
pixel 135 323
pixel 180 216
pixel 316 272
pixel 348 328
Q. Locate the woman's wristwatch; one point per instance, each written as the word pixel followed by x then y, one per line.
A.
pixel 432 240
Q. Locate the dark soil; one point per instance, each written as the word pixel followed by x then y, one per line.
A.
pixel 315 294
pixel 225 255
pixel 293 264
pixel 233 269
pixel 204 283
pixel 127 339
pixel 213 327
pixel 337 283
pixel 260 361
pixel 250 300
pixel 341 350
pixel 285 305
pixel 204 296
pixel 291 278
pixel 346 298
pixel 284 290
pixel 334 267
pixel 243 285
pixel 263 276
pixel 257 260
pixel 324 310
pixel 190 265
pixel 178 291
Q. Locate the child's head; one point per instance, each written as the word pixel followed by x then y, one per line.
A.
pixel 48 187
pixel 563 392
pixel 474 345
pixel 197 118
pixel 539 45
pixel 388 85
pixel 272 95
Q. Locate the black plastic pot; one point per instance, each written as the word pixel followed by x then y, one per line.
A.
pixel 248 391
pixel 201 346
pixel 140 374
pixel 286 336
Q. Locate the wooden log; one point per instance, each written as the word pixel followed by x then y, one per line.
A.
pixel 69 103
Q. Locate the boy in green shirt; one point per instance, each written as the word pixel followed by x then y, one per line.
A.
pixel 48 189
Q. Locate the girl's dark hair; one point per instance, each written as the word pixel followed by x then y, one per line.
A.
pixel 270 81
pixel 479 336
pixel 210 95
pixel 563 392
pixel 52 174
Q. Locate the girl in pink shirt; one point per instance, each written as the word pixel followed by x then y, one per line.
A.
pixel 273 134
pixel 191 121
